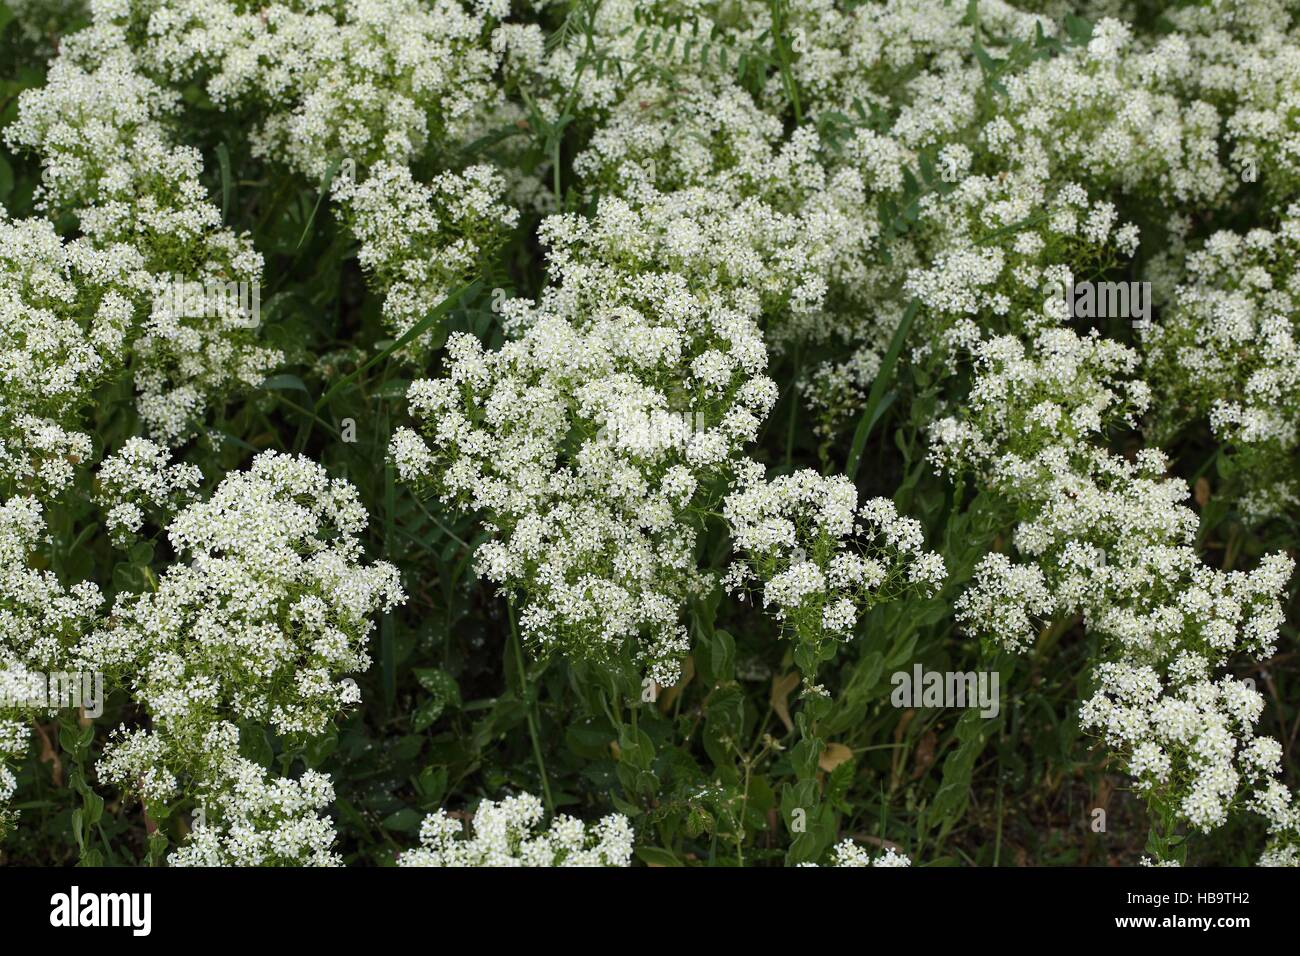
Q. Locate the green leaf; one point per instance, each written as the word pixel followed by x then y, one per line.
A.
pixel 227 181
pixel 467 291
pixel 426 714
pixel 326 182
pixel 236 440
pixel 142 554
pixel 722 656
pixel 655 856
pixel 431 784
pixel 1003 231
pixel 989 67
pixel 438 683
pixel 284 383
pixel 6 179
pixel 393 389
pixel 443 693
pixel 255 745
pixel 874 409
pixel 157 847
pixel 1078 29
pixel 92 807
pixel 635 748
pixel 74 740
pixel 724 725
pixel 973 732
pixel 319 748
pixel 405 820
pixel 590 740
pixel 698 821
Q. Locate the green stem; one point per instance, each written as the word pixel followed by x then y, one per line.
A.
pixel 783 54
pixel 530 711
pixel 794 411
pixel 445 530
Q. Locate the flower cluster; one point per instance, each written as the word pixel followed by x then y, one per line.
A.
pixel 420 241
pixel 147 224
pixel 266 618
pixel 848 853
pixel 596 438
pixel 507 833
pixel 372 81
pixel 592 438
pixel 354 94
pixel 263 623
pixel 1190 737
pixel 1111 540
pixel 139 481
pixel 822 560
pixel 1228 353
pixel 65 309
pixel 40 623
pixel 893 202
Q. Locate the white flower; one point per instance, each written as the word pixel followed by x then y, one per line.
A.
pixel 508 833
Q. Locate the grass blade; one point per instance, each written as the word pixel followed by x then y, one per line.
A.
pixel 227 181
pixel 874 407
pixel 467 291
pixel 320 196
